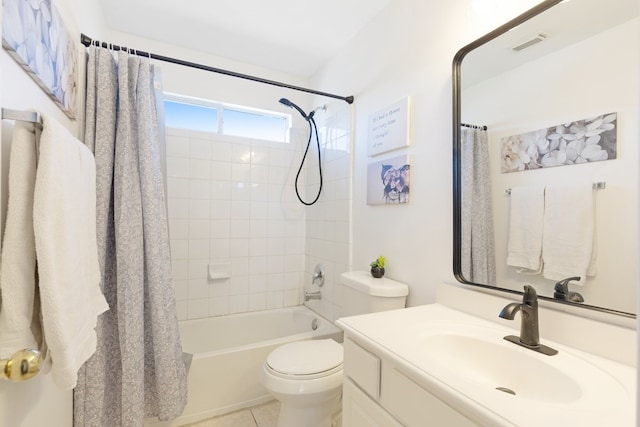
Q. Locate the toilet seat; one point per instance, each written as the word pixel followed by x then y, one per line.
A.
pixel 304 360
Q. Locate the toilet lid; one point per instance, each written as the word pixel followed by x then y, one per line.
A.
pixel 306 357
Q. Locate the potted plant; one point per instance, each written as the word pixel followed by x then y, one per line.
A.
pixel 377 267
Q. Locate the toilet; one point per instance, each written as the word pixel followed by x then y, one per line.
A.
pixel 306 376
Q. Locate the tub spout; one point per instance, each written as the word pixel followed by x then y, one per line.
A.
pixel 312 295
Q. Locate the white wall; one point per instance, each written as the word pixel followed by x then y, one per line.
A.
pixel 203 84
pixel 607 85
pixel 407 50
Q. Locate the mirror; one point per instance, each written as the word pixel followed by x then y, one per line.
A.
pixel 561 66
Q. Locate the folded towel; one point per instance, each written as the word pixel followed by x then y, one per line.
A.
pixel 64 220
pixel 568 247
pixel 525 229
pixel 19 320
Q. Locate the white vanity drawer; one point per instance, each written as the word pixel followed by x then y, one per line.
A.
pixel 362 367
pixel 416 407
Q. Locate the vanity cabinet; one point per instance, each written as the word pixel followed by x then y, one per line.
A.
pixel 378 392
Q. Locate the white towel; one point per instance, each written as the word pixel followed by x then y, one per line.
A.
pixel 19 320
pixel 64 220
pixel 525 229
pixel 568 247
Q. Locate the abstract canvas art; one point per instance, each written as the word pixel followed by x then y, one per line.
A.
pixel 34 34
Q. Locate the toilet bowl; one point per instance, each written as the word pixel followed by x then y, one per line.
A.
pixel 306 377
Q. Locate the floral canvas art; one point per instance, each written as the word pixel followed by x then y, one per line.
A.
pixel 35 36
pixel 388 181
pixel 582 141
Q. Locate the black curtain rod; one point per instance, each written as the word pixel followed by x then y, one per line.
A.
pixel 473 126
pixel 87 41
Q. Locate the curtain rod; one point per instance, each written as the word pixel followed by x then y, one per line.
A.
pixel 473 126
pixel 87 41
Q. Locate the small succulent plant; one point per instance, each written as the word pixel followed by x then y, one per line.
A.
pixel 379 262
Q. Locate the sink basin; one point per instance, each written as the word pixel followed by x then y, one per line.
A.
pixel 479 360
pixel 502 368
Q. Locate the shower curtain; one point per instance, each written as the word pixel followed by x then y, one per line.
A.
pixel 137 369
pixel 478 253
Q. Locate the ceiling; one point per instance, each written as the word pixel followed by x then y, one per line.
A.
pixel 562 26
pixel 295 36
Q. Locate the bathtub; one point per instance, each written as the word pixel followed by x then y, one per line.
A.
pixel 228 354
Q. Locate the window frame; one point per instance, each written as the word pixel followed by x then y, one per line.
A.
pixel 222 106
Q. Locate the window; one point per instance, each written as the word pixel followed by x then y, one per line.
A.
pixel 254 125
pixel 190 116
pixel 207 116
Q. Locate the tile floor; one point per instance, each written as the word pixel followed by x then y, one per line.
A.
pixel 265 415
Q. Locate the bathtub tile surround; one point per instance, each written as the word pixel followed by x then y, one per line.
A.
pixel 232 200
pixel 328 229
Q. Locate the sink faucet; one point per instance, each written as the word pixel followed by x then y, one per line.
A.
pixel 529 331
pixel 562 292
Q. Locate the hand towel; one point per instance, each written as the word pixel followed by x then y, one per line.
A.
pixel 19 320
pixel 525 229
pixel 568 247
pixel 64 219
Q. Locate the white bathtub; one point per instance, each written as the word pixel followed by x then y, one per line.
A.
pixel 228 354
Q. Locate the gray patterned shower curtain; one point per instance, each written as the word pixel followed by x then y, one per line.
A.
pixel 478 246
pixel 137 369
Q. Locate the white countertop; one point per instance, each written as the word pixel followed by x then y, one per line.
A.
pixel 603 390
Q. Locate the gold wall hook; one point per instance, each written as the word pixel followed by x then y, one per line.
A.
pixel 21 366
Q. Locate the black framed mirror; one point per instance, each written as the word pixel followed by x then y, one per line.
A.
pixel 562 65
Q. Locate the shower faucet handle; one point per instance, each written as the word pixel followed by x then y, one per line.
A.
pixel 318 276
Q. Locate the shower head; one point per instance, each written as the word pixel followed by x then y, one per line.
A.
pixel 285 101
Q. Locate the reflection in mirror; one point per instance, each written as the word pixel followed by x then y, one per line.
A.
pixel 557 86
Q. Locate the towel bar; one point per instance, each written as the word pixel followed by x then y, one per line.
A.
pixel 22 116
pixel 26 116
pixel 600 185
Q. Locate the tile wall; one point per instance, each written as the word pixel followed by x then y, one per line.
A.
pixel 328 232
pixel 232 204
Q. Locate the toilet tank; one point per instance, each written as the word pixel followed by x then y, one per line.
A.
pixel 362 293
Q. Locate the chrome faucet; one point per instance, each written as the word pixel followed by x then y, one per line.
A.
pixel 529 331
pixel 312 295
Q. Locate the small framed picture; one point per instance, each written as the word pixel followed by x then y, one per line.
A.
pixel 388 181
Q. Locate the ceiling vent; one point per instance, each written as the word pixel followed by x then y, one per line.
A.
pixel 533 40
